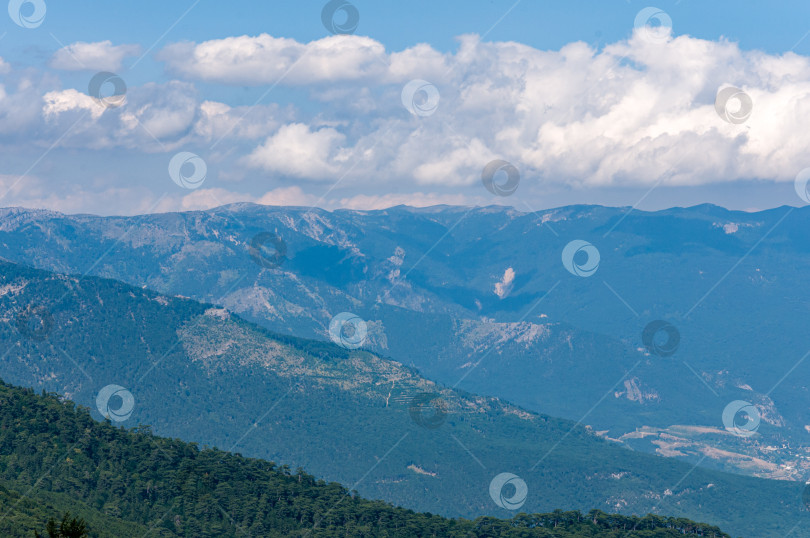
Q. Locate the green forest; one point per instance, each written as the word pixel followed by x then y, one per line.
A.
pixel 55 459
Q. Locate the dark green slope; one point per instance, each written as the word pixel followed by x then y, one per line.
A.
pixel 24 510
pixel 164 487
pixel 201 374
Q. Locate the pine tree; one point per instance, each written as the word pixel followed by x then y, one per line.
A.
pixel 70 527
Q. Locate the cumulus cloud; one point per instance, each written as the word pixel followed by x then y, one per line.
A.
pixel 265 59
pixel 21 100
pixel 154 118
pixel 298 151
pixel 217 121
pixel 633 113
pixel 98 56
pixel 163 111
pixel 58 102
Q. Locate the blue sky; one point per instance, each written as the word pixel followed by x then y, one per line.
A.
pixel 589 106
pixel 774 27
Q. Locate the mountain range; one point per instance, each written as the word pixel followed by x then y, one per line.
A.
pixel 198 372
pixel 480 299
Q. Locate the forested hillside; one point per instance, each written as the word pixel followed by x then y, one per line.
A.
pixel 124 483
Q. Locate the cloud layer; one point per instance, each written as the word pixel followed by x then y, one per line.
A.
pixel 639 112
pixel 99 56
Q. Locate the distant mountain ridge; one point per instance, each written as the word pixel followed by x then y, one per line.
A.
pixel 458 277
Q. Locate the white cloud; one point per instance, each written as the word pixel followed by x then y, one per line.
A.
pixel 296 150
pixel 154 118
pixel 98 56
pixel 217 120
pixel 20 110
pixel 58 102
pixel 163 111
pixel 264 59
pixel 632 114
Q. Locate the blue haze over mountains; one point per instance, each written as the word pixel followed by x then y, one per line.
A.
pixel 442 315
pixel 733 283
